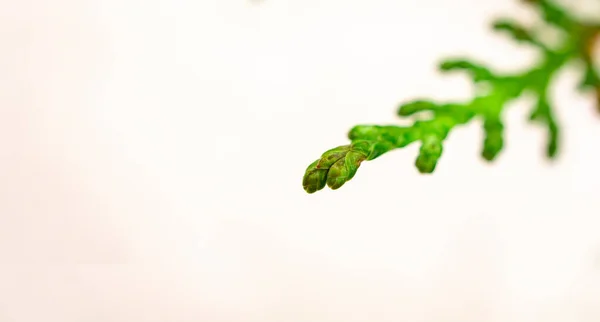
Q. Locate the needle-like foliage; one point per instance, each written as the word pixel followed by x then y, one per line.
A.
pixel 495 91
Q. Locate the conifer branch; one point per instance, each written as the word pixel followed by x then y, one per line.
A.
pixel 493 93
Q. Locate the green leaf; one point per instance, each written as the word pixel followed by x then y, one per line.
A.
pixel 494 141
pixel 429 154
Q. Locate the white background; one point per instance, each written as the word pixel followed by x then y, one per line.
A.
pixel 152 154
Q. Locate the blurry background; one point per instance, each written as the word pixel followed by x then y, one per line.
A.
pixel 151 157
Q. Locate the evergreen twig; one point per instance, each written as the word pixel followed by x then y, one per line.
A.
pixel 339 165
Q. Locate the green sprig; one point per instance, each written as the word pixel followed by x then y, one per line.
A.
pixel 368 142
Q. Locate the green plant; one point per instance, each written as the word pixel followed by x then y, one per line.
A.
pixel 493 92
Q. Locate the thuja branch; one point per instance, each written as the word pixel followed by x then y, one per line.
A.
pixel 493 92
